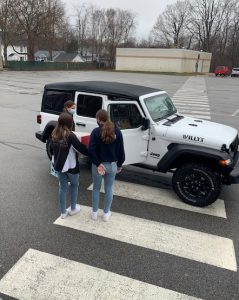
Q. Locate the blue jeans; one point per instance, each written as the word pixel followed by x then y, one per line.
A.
pixel 63 185
pixel 109 177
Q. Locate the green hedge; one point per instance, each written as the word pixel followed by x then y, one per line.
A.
pixel 47 66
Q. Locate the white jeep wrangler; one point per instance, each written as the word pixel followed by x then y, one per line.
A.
pixel 202 155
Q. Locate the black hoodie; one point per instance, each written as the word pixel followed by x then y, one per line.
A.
pixel 65 157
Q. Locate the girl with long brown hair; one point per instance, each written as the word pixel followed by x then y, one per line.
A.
pixel 65 146
pixel 106 151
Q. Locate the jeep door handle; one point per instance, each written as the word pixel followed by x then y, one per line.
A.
pixel 81 124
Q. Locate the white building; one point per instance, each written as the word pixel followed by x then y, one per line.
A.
pixel 18 50
pixel 162 60
pixel 16 53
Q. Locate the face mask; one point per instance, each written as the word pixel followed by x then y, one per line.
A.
pixel 72 111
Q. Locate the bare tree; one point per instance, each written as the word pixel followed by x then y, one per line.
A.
pixel 37 19
pixel 97 32
pixel 233 38
pixel 222 41
pixel 101 31
pixel 53 18
pixel 146 42
pixel 29 16
pixel 82 25
pixel 120 25
pixel 208 17
pixel 6 25
pixel 170 28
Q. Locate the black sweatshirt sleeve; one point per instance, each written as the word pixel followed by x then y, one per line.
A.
pixel 120 149
pixel 77 145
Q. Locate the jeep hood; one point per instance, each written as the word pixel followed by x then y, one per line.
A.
pixel 201 132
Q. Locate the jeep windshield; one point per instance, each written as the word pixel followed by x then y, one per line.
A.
pixel 160 106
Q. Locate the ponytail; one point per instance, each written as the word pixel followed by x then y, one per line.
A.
pixel 108 128
pixel 108 132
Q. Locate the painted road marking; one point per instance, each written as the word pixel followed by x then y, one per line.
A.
pixel 193 93
pixel 235 113
pixel 195 116
pixel 186 243
pixel 39 275
pixel 184 103
pixel 184 110
pixel 163 197
pixel 189 97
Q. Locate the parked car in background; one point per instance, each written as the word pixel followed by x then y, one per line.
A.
pixel 235 72
pixel 222 71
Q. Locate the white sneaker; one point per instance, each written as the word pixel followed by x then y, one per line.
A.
pixel 63 216
pixel 94 215
pixel 106 216
pixel 74 211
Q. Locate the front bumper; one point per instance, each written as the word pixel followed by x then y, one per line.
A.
pixel 234 174
pixel 39 135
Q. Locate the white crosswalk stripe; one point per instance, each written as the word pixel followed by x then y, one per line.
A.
pixel 163 197
pixel 199 246
pixel 191 99
pixel 201 103
pixel 184 110
pixel 45 276
pixel 201 116
pixel 16 89
pixel 185 103
pixel 61 278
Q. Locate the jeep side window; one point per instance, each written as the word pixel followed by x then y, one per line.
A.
pixel 125 116
pixel 53 101
pixel 88 105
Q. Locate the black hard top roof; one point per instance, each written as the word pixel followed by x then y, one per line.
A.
pixel 103 87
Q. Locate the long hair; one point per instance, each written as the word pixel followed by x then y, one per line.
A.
pixel 63 127
pixel 108 128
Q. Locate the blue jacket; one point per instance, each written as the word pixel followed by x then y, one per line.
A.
pixel 100 152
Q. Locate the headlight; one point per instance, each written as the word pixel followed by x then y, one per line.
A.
pixel 225 162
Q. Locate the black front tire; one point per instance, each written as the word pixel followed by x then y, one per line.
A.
pixel 197 184
pixel 48 149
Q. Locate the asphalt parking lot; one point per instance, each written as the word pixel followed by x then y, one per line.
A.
pixel 28 199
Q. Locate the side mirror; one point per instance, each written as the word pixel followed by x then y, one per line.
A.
pixel 145 124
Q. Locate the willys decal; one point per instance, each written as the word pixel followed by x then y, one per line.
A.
pixel 193 138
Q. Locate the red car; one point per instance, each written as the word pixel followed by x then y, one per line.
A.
pixel 222 71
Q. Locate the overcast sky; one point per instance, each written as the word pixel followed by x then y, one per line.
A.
pixel 146 10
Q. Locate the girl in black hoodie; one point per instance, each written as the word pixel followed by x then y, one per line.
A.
pixel 65 146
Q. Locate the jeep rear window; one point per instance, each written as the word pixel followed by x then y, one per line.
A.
pixel 88 105
pixel 53 101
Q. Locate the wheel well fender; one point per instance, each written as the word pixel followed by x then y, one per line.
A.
pixel 179 154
